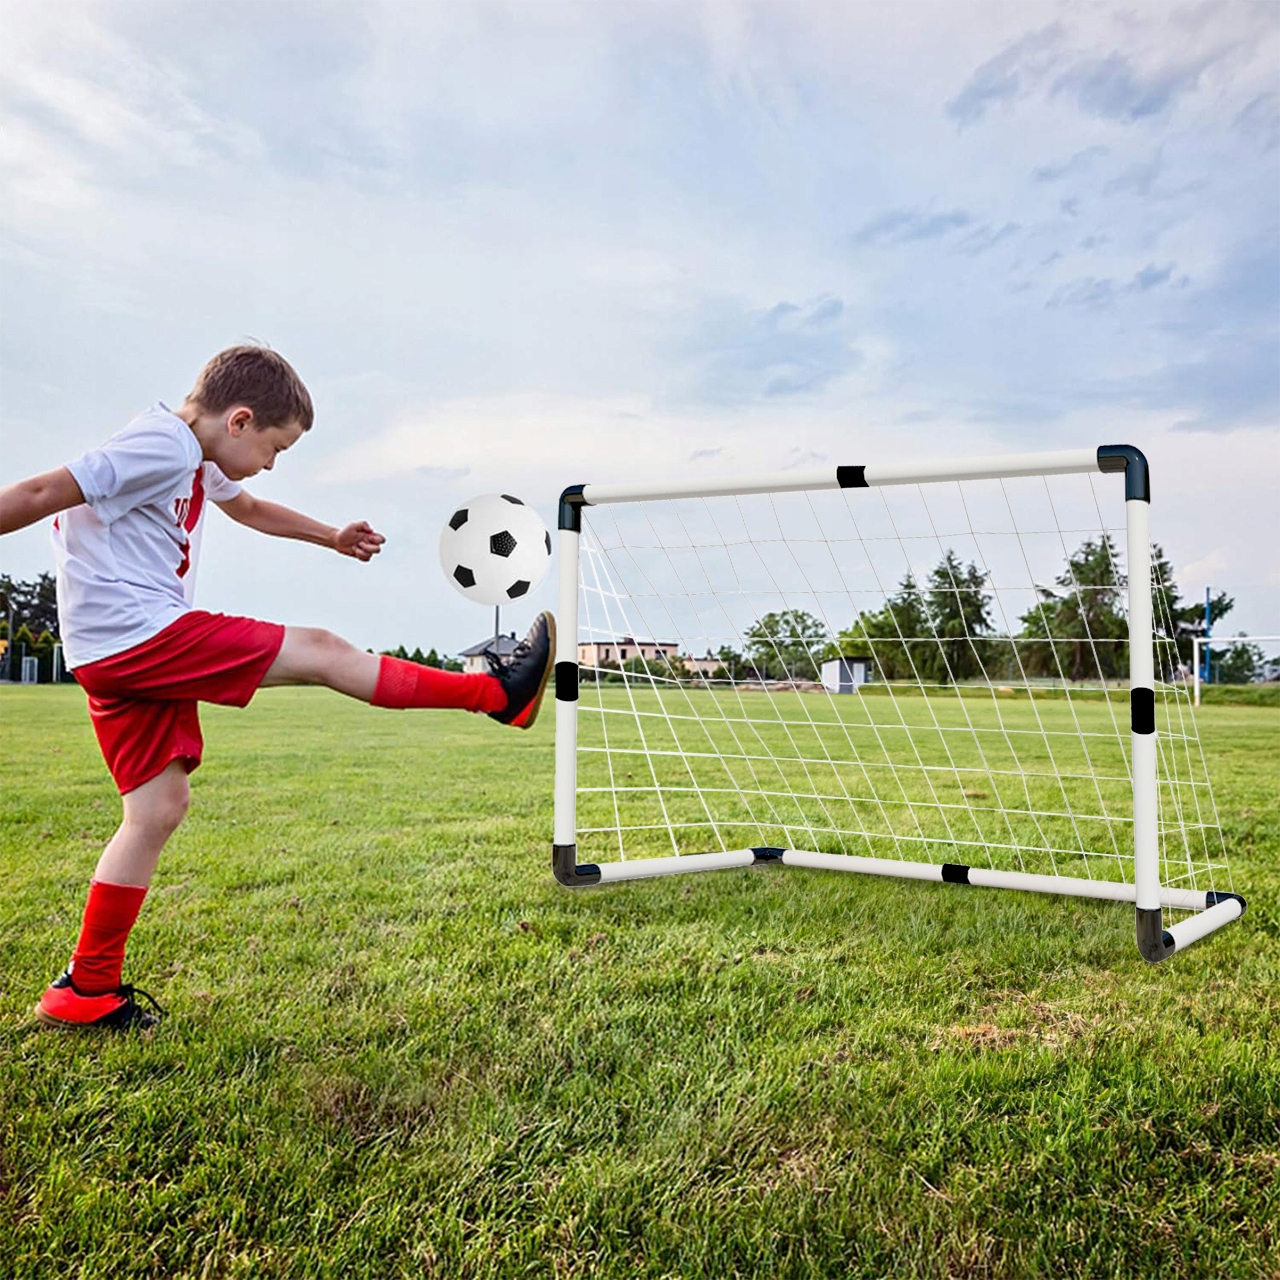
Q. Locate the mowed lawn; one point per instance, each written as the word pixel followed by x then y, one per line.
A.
pixel 397 1047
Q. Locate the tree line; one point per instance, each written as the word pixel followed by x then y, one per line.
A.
pixel 943 630
pixel 28 625
pixel 429 659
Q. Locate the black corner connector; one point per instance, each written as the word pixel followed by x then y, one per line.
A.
pixel 1155 942
pixel 564 863
pixel 571 504
pixel 1131 460
pixel 768 853
pixel 1213 897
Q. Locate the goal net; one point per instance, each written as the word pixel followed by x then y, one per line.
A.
pixel 961 671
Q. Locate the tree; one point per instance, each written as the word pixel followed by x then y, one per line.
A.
pixel 892 637
pixel 1179 622
pixel 958 614
pixel 733 666
pixel 787 645
pixel 1079 628
pixel 23 643
pixel 1241 664
pixel 33 603
pixel 660 667
pixel 42 651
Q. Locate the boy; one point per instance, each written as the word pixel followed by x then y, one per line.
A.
pixel 125 539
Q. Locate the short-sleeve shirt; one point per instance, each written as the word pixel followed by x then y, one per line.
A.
pixel 126 560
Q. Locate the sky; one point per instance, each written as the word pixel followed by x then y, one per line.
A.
pixel 514 247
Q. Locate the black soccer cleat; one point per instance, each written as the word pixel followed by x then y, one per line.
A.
pixel 64 1007
pixel 524 675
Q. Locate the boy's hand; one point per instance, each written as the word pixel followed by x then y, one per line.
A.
pixel 358 540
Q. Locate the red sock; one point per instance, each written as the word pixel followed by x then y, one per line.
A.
pixel 108 917
pixel 408 684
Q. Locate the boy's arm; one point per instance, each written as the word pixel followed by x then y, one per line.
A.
pixel 30 500
pixel 357 540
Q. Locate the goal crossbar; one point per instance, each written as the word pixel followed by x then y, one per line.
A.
pixel 1157 938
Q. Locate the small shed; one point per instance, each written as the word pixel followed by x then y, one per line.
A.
pixel 844 675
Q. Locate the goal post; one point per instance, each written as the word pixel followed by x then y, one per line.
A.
pixel 696 730
pixel 1202 644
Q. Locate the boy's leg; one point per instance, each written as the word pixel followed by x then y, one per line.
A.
pixel 89 993
pixel 152 813
pixel 309 655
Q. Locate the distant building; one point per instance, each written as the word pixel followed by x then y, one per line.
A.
pixel 599 653
pixel 705 667
pixel 844 675
pixel 477 657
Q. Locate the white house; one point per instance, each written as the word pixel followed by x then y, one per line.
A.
pixel 844 675
pixel 596 653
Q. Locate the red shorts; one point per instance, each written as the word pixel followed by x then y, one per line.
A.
pixel 143 701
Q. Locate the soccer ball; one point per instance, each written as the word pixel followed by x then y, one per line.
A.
pixel 495 549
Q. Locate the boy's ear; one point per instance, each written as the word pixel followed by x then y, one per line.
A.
pixel 239 420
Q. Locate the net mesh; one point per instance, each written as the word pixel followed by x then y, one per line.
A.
pixel 935 673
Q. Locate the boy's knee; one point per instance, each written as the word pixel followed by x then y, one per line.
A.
pixel 324 647
pixel 170 812
pixel 163 807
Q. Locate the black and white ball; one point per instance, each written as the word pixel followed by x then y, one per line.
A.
pixel 495 549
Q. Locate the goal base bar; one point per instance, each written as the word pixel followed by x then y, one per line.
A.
pixel 1156 942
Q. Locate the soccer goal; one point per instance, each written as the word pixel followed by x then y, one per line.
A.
pixel 952 670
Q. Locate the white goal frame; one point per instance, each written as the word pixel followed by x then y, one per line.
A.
pixel 1200 643
pixel 1156 939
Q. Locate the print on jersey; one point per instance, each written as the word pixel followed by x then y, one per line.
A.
pixel 187 511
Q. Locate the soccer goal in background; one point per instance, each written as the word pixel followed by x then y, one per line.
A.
pixel 1015 717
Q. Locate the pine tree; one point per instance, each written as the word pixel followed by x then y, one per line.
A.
pixel 1080 629
pixel 896 638
pixel 958 615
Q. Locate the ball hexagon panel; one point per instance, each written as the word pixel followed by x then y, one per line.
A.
pixel 495 549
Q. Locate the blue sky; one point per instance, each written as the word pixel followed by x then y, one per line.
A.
pixel 513 247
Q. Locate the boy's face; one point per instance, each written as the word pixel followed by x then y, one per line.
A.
pixel 248 449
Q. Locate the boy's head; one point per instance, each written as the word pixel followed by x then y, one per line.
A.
pixel 259 379
pixel 247 406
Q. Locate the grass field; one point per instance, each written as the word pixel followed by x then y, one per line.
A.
pixel 396 1047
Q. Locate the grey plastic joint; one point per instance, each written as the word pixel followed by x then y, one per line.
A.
pixel 1132 461
pixel 1155 942
pixel 1213 897
pixel 564 863
pixel 571 504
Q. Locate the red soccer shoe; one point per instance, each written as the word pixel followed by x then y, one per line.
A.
pixel 64 1007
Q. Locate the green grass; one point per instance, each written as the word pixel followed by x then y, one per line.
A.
pixel 1241 695
pixel 396 1047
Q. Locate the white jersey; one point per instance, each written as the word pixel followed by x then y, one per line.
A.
pixel 127 558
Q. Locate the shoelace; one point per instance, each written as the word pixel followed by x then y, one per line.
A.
pixel 131 993
pixel 500 668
